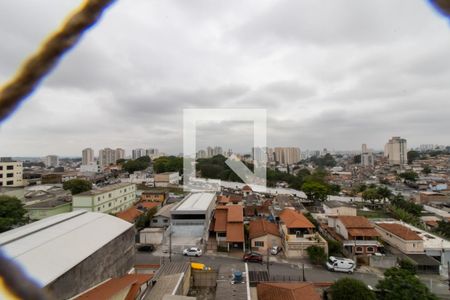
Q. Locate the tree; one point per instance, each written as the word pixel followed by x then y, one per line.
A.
pixel 138 164
pixel 371 194
pixel 12 213
pixel 426 170
pixel 316 254
pixel 351 289
pixel 409 175
pixel 315 191
pixel 412 156
pixel 76 186
pixel 401 284
pixel 384 193
pixel 408 265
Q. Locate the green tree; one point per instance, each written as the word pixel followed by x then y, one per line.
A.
pixel 350 289
pixel 426 170
pixel 412 156
pixel 401 284
pixel 408 265
pixel 76 186
pixel 316 254
pixel 144 219
pixel 334 247
pixel 371 194
pixel 384 193
pixel 409 175
pixel 138 164
pixel 315 191
pixel 12 213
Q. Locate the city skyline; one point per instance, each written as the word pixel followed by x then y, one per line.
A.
pixel 332 87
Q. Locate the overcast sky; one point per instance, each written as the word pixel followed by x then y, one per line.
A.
pixel 331 74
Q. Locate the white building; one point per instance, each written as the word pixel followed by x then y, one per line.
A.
pixel 120 153
pixel 87 156
pixel 51 161
pixel 136 153
pixel 109 156
pixel 167 179
pixel 11 174
pixel 109 199
pixel 366 157
pixel 396 151
pixel 287 155
pixel 90 168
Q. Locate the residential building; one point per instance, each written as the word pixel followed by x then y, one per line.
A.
pixel 396 151
pixel 167 179
pixel 171 281
pixel 139 152
pixel 60 177
pixel 263 235
pixel 337 208
pixel 298 233
pixel 290 290
pixel 90 168
pixel 77 247
pixel 357 234
pixel 106 157
pixel 130 286
pixel 228 226
pixel 87 156
pixel 51 161
pixel 130 215
pixel 120 154
pixel 287 155
pixel 400 237
pixel 108 199
pixel 11 174
pixel 366 157
pixel 162 217
pixel 154 196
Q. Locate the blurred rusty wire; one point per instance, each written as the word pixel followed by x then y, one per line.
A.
pixel 34 69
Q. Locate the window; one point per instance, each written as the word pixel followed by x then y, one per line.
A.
pixel 359 250
pixel 370 249
pixel 414 245
pixel 1 183
pixel 1 168
pixel 259 244
pixel 98 198
pixel 155 221
pixel 222 234
pixel 109 195
pixel 109 204
pixel 9 167
pixel 9 175
pixel 166 221
pixel 98 208
pixel 1 175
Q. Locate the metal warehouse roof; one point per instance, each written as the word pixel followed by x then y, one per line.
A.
pixel 49 248
pixel 195 202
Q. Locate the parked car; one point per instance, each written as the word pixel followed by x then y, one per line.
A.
pixel 341 264
pixel 253 257
pixel 193 251
pixel 275 250
pixel 146 248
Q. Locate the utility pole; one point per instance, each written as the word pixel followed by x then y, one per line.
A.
pixel 170 244
pixel 268 264
pixel 303 269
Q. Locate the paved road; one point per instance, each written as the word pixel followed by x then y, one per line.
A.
pixel 280 269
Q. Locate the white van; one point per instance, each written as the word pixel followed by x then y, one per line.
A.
pixel 341 264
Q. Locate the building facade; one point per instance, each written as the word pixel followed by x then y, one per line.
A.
pixel 109 199
pixel 11 174
pixel 396 151
pixel 87 156
pixel 287 155
pixel 51 161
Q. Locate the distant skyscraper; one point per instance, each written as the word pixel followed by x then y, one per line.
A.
pixel 136 153
pixel 217 151
pixel 366 156
pixel 151 152
pixel 106 157
pixel 396 151
pixel 287 155
pixel 120 153
pixel 87 156
pixel 209 152
pixel 51 161
pixel 201 154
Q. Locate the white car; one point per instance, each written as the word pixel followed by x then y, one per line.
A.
pixel 338 264
pixel 193 251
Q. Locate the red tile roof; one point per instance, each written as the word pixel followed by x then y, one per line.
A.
pixel 247 188
pixel 235 232
pixel 355 222
pixel 401 231
pixel 130 214
pixel 235 213
pixel 112 287
pixel 293 219
pixel 287 291
pixel 220 219
pixel 148 205
pixel 262 227
pixel 368 232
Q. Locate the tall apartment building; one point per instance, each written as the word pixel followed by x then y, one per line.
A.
pixel 366 156
pixel 396 151
pixel 120 153
pixel 87 156
pixel 51 161
pixel 136 153
pixel 106 157
pixel 109 199
pixel 151 152
pixel 11 174
pixel 287 155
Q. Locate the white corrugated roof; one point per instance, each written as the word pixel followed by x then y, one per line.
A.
pixel 48 248
pixel 196 201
